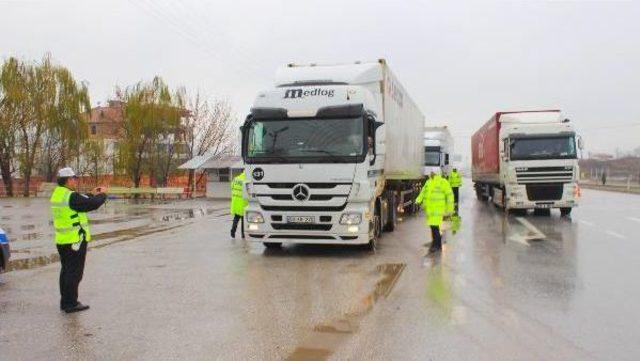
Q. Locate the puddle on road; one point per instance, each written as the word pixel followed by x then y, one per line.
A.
pixel 119 236
pixel 153 220
pixel 326 337
pixel 309 354
pixel 31 236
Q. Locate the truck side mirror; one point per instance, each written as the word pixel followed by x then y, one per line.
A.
pixel 242 145
pixel 505 150
pixel 580 143
pixel 371 139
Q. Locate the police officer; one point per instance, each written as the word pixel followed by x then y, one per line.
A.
pixel 455 180
pixel 436 197
pixel 238 203
pixel 71 228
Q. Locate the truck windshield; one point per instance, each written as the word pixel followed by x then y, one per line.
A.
pixel 431 156
pixel 306 140
pixel 558 147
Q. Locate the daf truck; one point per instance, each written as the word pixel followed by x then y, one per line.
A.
pixel 527 160
pixel 438 149
pixel 333 154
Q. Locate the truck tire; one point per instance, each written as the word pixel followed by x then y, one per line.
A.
pixel 565 212
pixel 392 214
pixel 272 245
pixel 377 229
pixel 480 195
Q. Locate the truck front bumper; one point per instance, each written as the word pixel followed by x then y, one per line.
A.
pixel 518 197
pixel 325 228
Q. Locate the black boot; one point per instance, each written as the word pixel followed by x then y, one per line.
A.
pixel 77 308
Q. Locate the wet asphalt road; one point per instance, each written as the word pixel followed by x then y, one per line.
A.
pixel 506 288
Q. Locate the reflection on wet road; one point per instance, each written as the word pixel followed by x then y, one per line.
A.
pixel 524 288
pixel 29 228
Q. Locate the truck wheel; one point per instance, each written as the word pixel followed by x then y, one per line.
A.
pixel 272 245
pixel 564 212
pixel 480 194
pixel 392 218
pixel 377 230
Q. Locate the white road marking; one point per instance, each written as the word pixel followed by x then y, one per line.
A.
pixel 536 234
pixel 615 234
pixel 586 223
pixel 531 233
pixel 634 219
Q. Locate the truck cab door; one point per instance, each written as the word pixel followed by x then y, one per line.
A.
pixel 505 149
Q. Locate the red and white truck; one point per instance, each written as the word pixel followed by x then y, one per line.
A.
pixel 527 160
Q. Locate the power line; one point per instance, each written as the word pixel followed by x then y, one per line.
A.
pixel 184 32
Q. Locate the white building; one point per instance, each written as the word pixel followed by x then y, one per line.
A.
pixel 220 171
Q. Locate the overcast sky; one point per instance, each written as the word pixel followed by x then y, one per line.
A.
pixel 460 61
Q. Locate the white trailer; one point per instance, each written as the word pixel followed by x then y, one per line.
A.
pixel 438 149
pixel 332 154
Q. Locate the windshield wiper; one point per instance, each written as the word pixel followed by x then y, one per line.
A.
pixel 269 158
pixel 333 156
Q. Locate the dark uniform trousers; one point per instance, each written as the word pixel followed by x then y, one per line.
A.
pixel 436 237
pixel 71 273
pixel 456 196
pixel 234 225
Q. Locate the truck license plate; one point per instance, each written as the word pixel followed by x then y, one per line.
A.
pixel 544 205
pixel 300 219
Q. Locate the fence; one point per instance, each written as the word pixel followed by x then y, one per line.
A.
pixel 86 183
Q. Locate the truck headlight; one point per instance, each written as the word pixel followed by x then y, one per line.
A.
pixel 351 218
pixel 254 217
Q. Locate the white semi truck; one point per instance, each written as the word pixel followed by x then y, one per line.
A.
pixel 527 160
pixel 333 153
pixel 438 149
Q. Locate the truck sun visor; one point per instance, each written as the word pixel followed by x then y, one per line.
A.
pixel 341 111
pixel 268 113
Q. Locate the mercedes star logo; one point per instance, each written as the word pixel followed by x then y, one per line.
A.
pixel 301 192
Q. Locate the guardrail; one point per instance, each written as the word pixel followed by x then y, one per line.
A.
pixel 44 189
pixel 162 192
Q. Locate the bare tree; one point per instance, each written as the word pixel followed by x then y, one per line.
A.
pixel 208 129
pixel 44 104
pixel 94 161
pixel 150 111
pixel 12 92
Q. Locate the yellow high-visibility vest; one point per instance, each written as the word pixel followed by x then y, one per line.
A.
pixel 436 198
pixel 455 180
pixel 67 223
pixel 238 203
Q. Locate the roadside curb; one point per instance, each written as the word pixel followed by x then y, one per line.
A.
pixel 617 189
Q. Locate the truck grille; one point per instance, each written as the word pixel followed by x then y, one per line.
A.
pixel 313 197
pixel 304 209
pixel 528 175
pixel 545 192
pixel 311 185
pixel 328 197
pixel 301 227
